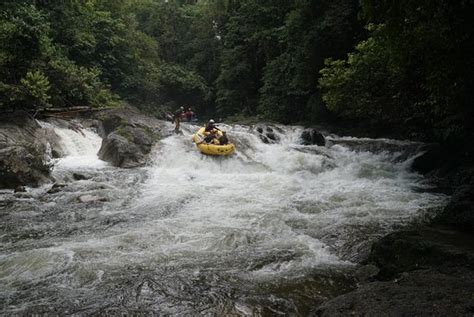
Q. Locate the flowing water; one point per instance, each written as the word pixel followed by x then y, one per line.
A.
pixel 274 229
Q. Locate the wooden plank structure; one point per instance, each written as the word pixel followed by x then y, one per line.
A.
pixel 68 112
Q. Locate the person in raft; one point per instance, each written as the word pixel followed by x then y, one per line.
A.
pixel 177 118
pixel 212 136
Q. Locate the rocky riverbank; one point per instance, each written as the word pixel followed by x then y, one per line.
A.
pixel 27 147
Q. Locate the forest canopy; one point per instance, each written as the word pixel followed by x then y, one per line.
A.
pixel 403 65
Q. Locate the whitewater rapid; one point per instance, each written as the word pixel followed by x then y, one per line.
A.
pixel 269 229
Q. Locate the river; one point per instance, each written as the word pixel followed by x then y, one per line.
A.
pixel 274 229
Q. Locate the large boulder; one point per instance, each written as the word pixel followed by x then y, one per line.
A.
pixel 418 293
pixel 426 247
pixel 22 165
pixel 312 137
pixel 423 272
pixel 460 210
pixel 121 152
pixel 24 149
pixel 433 156
pixel 48 136
pixel 128 136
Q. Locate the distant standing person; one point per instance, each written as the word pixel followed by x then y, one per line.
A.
pixel 177 118
pixel 189 115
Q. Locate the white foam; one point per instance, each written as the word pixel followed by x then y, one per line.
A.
pixel 82 147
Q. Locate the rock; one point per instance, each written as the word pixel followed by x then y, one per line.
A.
pixel 460 210
pixel 425 247
pixel 56 188
pixel 22 165
pixel 312 137
pixel 433 157
pixel 79 177
pixel 366 273
pixel 267 134
pixel 20 189
pixel 23 153
pixel 120 152
pixel 423 272
pixel 128 136
pixel 48 136
pixel 419 293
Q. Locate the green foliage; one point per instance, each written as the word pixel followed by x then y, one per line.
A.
pixel 313 31
pixel 250 39
pixel 36 71
pixel 78 86
pixel 34 89
pixel 410 71
pixel 365 87
pixel 413 73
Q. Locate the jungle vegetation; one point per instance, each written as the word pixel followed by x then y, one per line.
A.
pixel 404 65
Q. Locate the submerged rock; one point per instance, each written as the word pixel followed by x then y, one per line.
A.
pixel 312 137
pixel 267 134
pixel 20 189
pixel 80 177
pixel 56 188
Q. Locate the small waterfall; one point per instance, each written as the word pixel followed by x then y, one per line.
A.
pixel 82 146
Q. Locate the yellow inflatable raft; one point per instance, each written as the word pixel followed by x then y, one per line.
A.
pixel 212 149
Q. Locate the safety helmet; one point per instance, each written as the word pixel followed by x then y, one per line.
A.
pixel 212 121
pixel 182 108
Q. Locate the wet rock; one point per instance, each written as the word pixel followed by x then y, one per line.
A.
pixel 79 177
pixel 423 272
pixel 460 210
pixel 128 136
pixel 56 188
pixel 267 134
pixel 49 136
pixel 419 293
pixel 366 273
pixel 422 248
pixel 120 152
pixel 22 165
pixel 433 157
pixel 20 189
pixel 312 137
pixel 23 155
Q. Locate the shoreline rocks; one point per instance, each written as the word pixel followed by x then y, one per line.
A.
pixel 424 272
pixel 24 151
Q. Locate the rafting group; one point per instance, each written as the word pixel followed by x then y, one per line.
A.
pixel 209 139
pixel 213 141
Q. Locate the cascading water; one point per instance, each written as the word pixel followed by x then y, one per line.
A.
pixel 274 228
pixel 82 146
